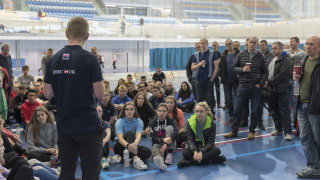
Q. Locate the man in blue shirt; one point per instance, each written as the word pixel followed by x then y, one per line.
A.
pixel 228 78
pixel 205 68
pixel 73 76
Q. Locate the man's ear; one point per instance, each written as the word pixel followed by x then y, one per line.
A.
pixel 87 36
pixel 67 34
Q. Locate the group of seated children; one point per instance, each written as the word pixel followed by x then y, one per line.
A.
pixel 165 133
pixel 150 111
pixel 161 118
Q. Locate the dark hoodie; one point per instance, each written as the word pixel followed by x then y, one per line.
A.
pixel 158 129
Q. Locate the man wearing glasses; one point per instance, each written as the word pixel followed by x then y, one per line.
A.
pixel 228 78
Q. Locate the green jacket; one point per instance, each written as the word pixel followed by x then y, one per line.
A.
pixel 209 134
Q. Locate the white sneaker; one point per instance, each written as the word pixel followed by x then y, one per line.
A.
pixel 158 161
pixel 288 137
pixel 139 164
pixel 275 133
pixel 114 159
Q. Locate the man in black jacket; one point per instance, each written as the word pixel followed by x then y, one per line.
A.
pixel 252 78
pixel 228 78
pixel 189 71
pixel 278 81
pixel 309 108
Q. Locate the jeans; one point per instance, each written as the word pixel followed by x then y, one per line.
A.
pixel 217 87
pixel 290 94
pixel 244 93
pixel 230 91
pixel 280 113
pixel 86 145
pixel 310 135
pixel 43 173
pixel 205 93
pixel 194 89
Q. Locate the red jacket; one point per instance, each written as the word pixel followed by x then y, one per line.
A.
pixel 27 109
pixel 8 133
pixel 11 99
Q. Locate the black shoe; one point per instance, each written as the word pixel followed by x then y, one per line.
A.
pixel 243 124
pixel 261 126
pixel 221 159
pixel 225 107
pixel 184 163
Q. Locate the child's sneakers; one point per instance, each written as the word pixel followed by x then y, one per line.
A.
pixel 158 161
pixel 104 163
pixel 139 164
pixel 114 159
pixel 169 158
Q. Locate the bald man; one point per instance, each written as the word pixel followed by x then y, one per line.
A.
pixel 309 108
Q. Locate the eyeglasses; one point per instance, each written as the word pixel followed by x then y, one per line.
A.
pixel 228 44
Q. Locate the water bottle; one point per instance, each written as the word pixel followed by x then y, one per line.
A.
pixel 53 161
pixel 296 88
pixel 18 130
pixel 126 158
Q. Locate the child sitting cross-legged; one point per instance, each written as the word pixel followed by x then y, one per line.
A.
pixel 129 129
pixel 106 135
pixel 201 135
pixel 163 131
pixel 42 136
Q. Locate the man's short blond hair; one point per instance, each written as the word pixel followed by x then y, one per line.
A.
pixel 123 87
pixel 206 40
pixel 5 45
pixel 78 28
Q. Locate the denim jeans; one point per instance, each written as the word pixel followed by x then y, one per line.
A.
pixel 244 93
pixel 280 113
pixel 217 87
pixel 290 94
pixel 230 91
pixel 194 90
pixel 205 93
pixel 44 174
pixel 310 135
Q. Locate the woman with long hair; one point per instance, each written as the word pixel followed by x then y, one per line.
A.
pixel 177 115
pixel 201 135
pixel 185 98
pixel 42 135
pixel 145 111
pixel 164 132
pixel 129 128
pixel 121 81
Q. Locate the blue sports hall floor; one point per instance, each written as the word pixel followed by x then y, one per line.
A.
pixel 266 157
